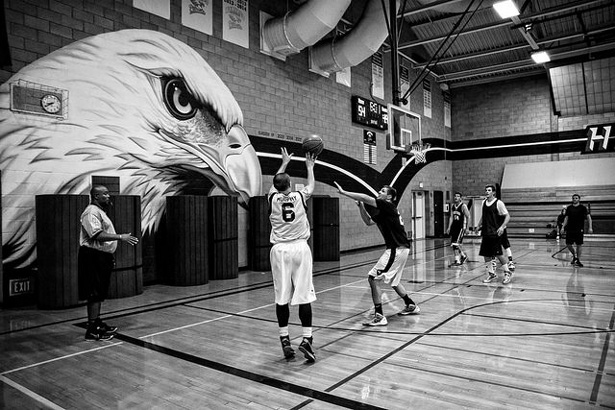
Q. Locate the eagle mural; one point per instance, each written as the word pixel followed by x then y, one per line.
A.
pixel 133 104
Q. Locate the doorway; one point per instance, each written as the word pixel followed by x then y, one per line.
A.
pixel 418 210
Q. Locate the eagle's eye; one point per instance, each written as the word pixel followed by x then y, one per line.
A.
pixel 178 99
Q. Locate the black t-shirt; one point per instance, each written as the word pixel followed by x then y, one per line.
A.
pixel 576 218
pixel 389 222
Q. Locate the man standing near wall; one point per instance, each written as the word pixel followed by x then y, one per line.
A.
pixel 574 224
pixel 492 224
pixel 98 242
pixel 457 226
pixel 291 257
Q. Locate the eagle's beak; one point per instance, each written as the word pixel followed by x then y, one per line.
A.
pixel 242 165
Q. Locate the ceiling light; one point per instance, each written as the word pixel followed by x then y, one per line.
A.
pixel 506 8
pixel 541 57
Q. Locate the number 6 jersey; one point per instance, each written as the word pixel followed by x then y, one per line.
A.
pixel 288 215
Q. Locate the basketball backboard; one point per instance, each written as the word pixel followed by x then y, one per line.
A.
pixel 404 128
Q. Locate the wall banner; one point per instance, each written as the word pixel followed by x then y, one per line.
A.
pixel 235 22
pixel 447 109
pixel 377 76
pixel 370 149
pixel 404 86
pixel 197 14
pixel 427 99
pixel 160 8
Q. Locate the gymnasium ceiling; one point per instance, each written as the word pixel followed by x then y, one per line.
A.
pixel 465 42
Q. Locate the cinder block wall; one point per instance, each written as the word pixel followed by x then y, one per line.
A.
pixel 507 109
pixel 279 100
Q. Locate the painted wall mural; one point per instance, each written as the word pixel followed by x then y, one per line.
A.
pixel 133 104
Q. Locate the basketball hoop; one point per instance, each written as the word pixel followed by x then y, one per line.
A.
pixel 418 149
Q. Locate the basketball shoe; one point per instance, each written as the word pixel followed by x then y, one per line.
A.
pixel 306 349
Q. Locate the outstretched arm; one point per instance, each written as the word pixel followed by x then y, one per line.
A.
pixel 285 160
pixel 126 237
pixel 366 199
pixel 364 214
pixel 310 159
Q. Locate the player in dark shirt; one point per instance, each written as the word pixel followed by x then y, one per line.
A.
pixel 389 268
pixel 574 224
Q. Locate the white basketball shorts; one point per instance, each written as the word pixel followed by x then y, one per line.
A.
pixel 291 267
pixel 391 265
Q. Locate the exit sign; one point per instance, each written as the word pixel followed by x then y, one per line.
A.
pixel 21 286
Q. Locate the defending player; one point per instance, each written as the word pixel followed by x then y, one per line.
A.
pixel 291 257
pixel 390 267
pixel 457 226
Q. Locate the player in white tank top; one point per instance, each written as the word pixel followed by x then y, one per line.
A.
pixel 291 257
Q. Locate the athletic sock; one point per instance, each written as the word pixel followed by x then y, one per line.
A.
pixel 378 308
pixel 510 258
pixel 408 301
pixel 284 331
pixel 307 333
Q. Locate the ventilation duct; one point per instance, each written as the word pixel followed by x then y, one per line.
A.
pixel 303 27
pixel 360 43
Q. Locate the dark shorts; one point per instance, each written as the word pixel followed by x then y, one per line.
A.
pixel 504 240
pixel 491 246
pixel 574 237
pixel 456 235
pixel 94 272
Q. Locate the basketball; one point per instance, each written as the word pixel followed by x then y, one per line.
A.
pixel 313 144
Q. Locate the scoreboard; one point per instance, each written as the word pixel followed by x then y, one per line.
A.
pixel 369 113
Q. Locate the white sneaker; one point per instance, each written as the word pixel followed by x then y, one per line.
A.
pixel 490 278
pixel 507 278
pixel 511 266
pixel 378 320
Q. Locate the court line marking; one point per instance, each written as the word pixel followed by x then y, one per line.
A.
pixel 230 315
pixel 420 335
pixel 326 290
pixel 36 397
pixel 111 344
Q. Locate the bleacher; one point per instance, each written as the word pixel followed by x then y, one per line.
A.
pixel 534 211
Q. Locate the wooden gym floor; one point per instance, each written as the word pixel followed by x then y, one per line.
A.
pixel 543 342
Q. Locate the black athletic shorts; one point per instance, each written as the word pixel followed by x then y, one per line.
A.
pixel 94 273
pixel 491 246
pixel 504 240
pixel 574 237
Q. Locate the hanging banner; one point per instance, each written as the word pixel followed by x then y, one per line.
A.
pixel 377 76
pixel 447 110
pixel 160 8
pixel 235 27
pixel 404 86
pixel 370 149
pixel 427 99
pixel 197 14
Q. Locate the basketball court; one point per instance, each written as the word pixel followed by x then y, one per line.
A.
pixel 544 341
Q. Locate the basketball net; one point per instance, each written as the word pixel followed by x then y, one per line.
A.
pixel 418 149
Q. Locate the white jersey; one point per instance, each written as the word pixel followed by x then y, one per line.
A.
pixel 288 215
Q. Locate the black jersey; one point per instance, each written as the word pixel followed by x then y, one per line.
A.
pixel 389 222
pixel 458 216
pixel 492 219
pixel 576 218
